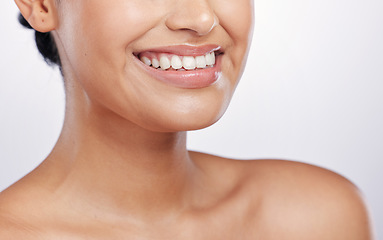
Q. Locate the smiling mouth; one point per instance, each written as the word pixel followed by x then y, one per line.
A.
pixel 172 62
pixel 182 66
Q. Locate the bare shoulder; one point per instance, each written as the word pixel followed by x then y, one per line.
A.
pixel 14 223
pixel 13 229
pixel 308 200
pixel 292 200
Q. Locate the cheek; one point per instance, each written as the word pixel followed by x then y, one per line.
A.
pixel 236 17
pixel 96 35
pixel 98 32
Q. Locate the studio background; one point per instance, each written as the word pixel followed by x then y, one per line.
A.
pixel 312 92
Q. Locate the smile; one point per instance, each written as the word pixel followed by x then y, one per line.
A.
pixel 165 61
pixel 183 66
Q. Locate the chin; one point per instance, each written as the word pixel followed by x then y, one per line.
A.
pixel 163 108
pixel 193 123
pixel 187 119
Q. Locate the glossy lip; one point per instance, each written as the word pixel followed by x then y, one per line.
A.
pixel 189 79
pixel 185 50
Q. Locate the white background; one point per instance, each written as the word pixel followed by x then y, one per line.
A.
pixel 312 92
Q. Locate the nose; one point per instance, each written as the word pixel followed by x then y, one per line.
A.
pixel 196 16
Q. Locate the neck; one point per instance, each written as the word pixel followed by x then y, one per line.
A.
pixel 103 159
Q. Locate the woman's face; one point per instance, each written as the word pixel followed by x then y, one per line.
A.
pixel 112 49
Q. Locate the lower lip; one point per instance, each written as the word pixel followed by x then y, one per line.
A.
pixel 198 78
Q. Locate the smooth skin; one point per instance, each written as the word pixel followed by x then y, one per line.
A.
pixel 121 170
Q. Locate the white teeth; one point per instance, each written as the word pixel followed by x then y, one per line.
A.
pixel 210 58
pixel 155 63
pixel 200 61
pixel 188 62
pixel 164 62
pixel 180 63
pixel 176 62
pixel 146 61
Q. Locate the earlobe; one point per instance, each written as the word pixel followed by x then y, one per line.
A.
pixel 41 14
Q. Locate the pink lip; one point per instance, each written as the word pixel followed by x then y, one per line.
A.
pixel 198 78
pixel 185 50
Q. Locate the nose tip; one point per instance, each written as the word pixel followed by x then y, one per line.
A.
pixel 207 23
pixel 195 16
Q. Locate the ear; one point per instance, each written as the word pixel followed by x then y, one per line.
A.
pixel 40 14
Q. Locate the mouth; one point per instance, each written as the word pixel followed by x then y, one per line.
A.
pixel 180 58
pixel 172 62
pixel 183 66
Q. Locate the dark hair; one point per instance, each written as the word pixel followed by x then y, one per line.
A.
pixel 45 43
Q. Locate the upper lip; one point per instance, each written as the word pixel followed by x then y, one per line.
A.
pixel 184 50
